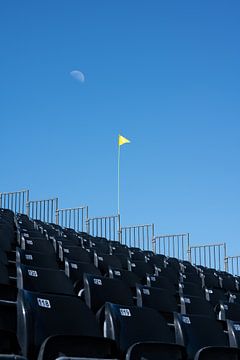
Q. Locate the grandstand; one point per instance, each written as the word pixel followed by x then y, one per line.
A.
pixel 80 287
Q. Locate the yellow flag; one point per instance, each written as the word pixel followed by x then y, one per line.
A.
pixel 122 140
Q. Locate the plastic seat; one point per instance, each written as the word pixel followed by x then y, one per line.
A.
pixel 141 333
pixel 34 258
pixel 98 290
pixel 196 305
pixel 103 262
pixel 158 299
pixel 130 278
pixel 204 338
pixel 76 270
pixel 57 324
pixel 141 268
pixel 43 280
pixel 161 282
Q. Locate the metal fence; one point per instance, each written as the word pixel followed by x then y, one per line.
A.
pixel 174 245
pixel 138 236
pixel 104 226
pixel 44 210
pixel 211 255
pixel 233 264
pixel 15 201
pixel 74 218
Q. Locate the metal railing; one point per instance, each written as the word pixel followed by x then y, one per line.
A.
pixel 210 255
pixel 44 210
pixel 138 236
pixel 74 218
pixel 15 201
pixel 174 245
pixel 233 264
pixel 104 226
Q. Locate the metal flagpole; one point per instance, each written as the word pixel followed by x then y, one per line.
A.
pixel 118 177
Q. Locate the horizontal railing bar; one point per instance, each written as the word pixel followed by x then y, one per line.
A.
pixel 207 245
pixel 34 201
pixel 75 208
pixel 169 235
pixel 136 226
pixel 13 192
pixel 103 217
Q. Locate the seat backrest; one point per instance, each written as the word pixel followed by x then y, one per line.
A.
pixel 103 262
pixel 34 258
pixel 99 289
pixel 141 268
pixel 76 270
pixel 128 277
pixel 74 253
pixel 37 244
pixel 42 315
pixel 156 298
pixel 196 332
pixel 43 280
pixel 130 324
pixel 196 305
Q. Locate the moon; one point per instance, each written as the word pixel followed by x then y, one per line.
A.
pixel 78 75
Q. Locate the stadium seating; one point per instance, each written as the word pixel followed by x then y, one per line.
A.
pixel 69 295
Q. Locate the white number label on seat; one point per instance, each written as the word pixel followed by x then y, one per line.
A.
pixel 97 281
pixel 44 303
pixel 32 273
pixel 125 312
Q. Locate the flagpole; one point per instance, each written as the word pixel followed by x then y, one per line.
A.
pixel 118 178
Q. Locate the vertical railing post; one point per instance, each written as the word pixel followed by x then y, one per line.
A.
pixel 119 229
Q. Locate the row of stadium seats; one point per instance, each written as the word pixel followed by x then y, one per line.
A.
pixel 67 295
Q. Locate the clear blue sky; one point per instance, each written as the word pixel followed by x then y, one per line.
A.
pixel 165 74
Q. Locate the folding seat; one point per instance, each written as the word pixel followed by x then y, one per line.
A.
pixel 74 253
pixel 99 289
pixel 8 327
pixel 228 282
pixel 137 255
pixel 57 325
pixel 171 274
pixel 124 259
pixel 158 260
pixel 211 280
pixel 120 249
pixel 141 333
pixel 215 296
pixel 103 262
pixel 141 268
pixel 43 280
pixel 103 248
pixel 161 282
pixel 6 237
pixel 158 299
pixel 129 277
pixel 188 267
pixel 174 263
pixel 76 270
pixel 204 338
pixel 196 305
pixel 191 289
pixel 228 311
pixel 191 277
pixel 34 258
pixel 61 243
pixel 8 292
pixel 37 244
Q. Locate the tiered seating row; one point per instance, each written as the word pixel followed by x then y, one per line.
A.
pixel 66 294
